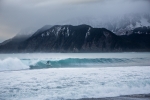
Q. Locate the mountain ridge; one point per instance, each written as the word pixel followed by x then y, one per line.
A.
pixel 81 38
pixel 119 25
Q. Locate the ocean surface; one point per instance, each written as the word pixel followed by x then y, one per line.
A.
pixel 61 76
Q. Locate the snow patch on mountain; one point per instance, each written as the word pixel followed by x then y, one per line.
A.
pixel 88 32
pixel 119 25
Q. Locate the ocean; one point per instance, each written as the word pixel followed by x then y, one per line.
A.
pixel 62 76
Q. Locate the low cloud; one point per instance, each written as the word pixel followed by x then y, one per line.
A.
pixel 19 14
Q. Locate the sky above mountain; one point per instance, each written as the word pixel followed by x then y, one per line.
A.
pixel 19 14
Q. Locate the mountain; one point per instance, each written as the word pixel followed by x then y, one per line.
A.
pixel 82 38
pixel 69 38
pixel 141 30
pixel 11 45
pixel 5 42
pixel 121 25
pixel 44 28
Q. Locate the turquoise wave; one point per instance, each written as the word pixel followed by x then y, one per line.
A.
pixel 85 62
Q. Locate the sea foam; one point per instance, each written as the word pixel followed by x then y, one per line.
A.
pixel 74 83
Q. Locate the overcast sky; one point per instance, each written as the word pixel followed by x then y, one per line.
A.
pixel 19 14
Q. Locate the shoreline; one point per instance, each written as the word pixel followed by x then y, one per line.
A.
pixel 122 97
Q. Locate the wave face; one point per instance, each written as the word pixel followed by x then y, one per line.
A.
pixel 12 64
pixel 88 62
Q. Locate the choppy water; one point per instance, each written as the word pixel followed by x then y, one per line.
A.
pixel 73 76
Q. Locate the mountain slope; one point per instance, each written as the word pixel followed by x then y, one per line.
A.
pixel 11 45
pixel 44 28
pixel 83 38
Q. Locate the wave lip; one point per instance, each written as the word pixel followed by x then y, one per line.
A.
pixel 12 64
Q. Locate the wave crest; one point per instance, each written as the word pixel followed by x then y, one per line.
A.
pixel 12 64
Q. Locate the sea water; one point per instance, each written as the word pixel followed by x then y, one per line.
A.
pixel 59 76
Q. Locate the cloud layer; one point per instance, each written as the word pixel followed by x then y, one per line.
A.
pixel 19 14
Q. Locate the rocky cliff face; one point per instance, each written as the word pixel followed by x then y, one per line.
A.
pixel 82 38
pixel 67 38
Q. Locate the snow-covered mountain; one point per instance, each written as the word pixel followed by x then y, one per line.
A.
pixel 119 25
pixel 82 38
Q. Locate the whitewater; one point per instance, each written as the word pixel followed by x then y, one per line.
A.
pixel 61 76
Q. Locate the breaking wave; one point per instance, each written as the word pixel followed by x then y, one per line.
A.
pixel 86 62
pixel 20 64
pixel 12 64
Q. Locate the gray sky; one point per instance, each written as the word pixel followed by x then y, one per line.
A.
pixel 19 14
